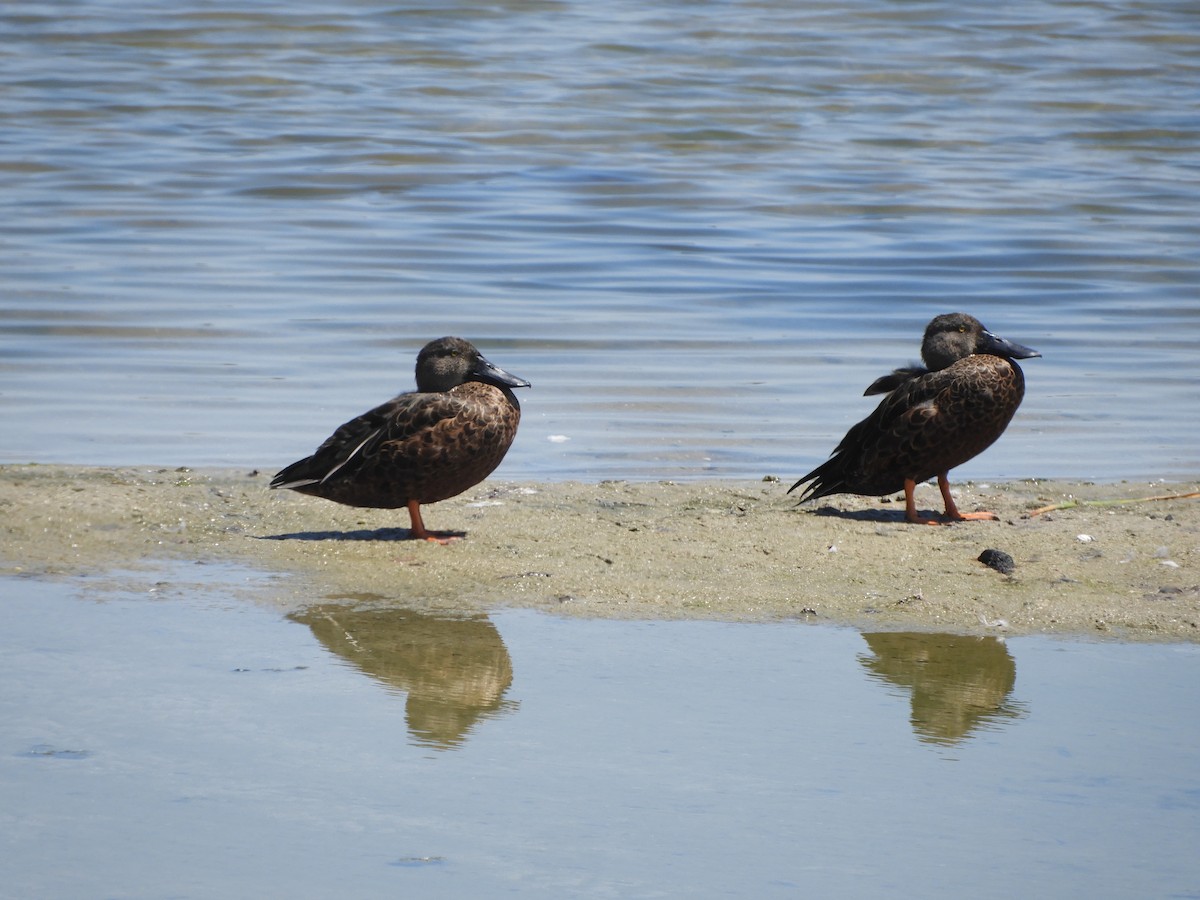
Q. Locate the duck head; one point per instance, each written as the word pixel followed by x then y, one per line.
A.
pixel 450 361
pixel 955 336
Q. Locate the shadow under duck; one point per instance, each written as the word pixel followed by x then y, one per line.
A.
pixel 422 446
pixel 934 417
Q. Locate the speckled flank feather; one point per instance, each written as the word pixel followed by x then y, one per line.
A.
pixel 932 419
pixel 419 447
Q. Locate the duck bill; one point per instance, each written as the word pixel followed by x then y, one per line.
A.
pixel 489 374
pixel 998 346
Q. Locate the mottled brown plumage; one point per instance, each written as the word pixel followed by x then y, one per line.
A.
pixel 934 417
pixel 422 446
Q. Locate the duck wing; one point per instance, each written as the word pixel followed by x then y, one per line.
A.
pixel 401 421
pixel 887 383
pixel 877 454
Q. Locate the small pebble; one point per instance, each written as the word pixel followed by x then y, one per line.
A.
pixel 998 560
pixel 1084 538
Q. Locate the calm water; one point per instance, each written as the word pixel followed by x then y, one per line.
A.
pixel 699 228
pixel 167 741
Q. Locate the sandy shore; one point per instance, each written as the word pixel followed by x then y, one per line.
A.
pixel 727 550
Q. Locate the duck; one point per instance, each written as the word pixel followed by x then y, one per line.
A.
pixel 422 446
pixel 933 417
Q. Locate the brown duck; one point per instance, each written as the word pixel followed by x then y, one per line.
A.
pixel 422 446
pixel 934 417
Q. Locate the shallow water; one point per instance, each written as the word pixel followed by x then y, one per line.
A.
pixel 170 740
pixel 699 231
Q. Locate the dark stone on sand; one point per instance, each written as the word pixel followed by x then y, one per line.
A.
pixel 998 560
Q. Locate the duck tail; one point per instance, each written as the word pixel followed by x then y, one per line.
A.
pixel 297 475
pixel 827 478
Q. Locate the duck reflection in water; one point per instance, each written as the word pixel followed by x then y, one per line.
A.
pixel 958 684
pixel 454 671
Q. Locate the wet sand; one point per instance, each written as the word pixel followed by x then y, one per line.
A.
pixel 1110 564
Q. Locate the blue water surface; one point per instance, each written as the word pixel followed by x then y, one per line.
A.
pixel 700 229
pixel 161 738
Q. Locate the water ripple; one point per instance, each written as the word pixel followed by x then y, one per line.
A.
pixel 699 235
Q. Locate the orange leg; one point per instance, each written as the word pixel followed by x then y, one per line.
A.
pixel 951 515
pixel 418 531
pixel 952 512
pixel 910 505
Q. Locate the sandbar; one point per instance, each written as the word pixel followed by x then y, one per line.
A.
pixel 1104 560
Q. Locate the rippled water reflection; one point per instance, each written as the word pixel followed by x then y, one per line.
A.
pixel 699 230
